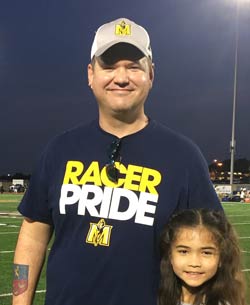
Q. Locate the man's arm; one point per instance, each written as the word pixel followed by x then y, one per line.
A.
pixel 28 260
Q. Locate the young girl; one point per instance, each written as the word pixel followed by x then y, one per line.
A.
pixel 201 261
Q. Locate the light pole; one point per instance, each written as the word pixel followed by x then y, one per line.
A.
pixel 233 141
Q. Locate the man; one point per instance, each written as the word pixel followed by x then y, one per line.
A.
pixel 107 188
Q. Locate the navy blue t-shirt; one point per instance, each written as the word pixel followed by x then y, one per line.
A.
pixel 105 250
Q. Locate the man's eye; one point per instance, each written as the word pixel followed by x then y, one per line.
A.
pixel 134 67
pixel 108 68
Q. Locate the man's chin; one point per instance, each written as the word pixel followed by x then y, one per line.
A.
pixel 124 114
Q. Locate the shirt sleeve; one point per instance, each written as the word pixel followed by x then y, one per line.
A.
pixel 34 204
pixel 201 192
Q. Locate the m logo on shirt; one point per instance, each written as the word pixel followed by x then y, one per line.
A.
pixel 99 234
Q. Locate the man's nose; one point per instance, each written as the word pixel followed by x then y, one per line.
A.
pixel 121 76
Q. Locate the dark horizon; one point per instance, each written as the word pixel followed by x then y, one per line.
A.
pixel 241 164
pixel 45 50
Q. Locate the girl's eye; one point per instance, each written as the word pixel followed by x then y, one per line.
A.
pixel 207 253
pixel 182 251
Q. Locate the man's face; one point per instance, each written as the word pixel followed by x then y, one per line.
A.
pixel 121 80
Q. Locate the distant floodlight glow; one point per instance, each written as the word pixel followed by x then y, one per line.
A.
pixel 243 1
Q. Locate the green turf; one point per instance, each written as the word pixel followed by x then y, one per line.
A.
pixel 8 203
pixel 239 215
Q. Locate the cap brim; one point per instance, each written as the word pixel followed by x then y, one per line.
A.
pixel 114 42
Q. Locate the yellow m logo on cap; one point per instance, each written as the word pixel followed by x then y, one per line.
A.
pixel 122 29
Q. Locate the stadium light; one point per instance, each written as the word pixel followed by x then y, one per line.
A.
pixel 243 1
pixel 233 140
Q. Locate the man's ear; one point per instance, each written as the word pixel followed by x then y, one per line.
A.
pixel 151 73
pixel 90 75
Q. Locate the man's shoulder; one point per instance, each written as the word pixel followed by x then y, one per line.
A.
pixel 67 139
pixel 72 134
pixel 168 135
pixel 88 127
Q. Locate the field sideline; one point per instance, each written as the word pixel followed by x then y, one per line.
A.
pixel 10 221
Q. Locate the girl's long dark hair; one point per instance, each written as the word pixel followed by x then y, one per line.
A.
pixel 227 286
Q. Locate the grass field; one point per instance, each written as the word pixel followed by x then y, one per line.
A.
pixel 238 213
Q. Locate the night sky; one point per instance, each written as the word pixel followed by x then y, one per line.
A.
pixel 44 53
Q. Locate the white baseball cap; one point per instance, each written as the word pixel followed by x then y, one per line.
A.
pixel 121 30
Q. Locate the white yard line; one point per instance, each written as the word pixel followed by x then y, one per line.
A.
pixel 10 294
pixel 12 251
pixel 9 226
pixel 232 215
pixel 6 215
pixel 4 233
pixel 240 223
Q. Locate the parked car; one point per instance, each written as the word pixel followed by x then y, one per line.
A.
pixel 17 188
pixel 231 198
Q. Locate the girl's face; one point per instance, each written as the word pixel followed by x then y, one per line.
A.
pixel 194 257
